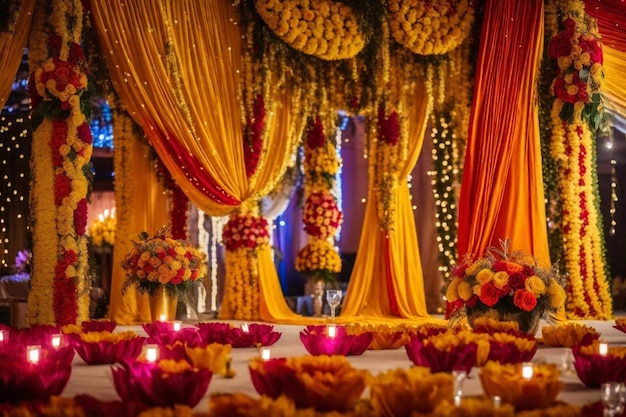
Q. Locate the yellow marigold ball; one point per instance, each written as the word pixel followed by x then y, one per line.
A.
pixel 322 28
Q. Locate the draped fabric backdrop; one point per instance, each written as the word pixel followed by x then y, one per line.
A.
pixel 12 43
pixel 502 190
pixel 387 279
pixel 175 66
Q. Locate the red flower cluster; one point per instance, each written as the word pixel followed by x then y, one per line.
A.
pixel 321 216
pixel 178 214
pixel 245 231
pixel 253 136
pixel 64 301
pixel 315 137
pixel 388 127
pixel 80 217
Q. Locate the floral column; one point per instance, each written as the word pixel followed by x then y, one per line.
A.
pixel 62 146
pixel 576 115
pixel 319 258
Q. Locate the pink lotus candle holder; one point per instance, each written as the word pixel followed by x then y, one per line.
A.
pixel 318 340
pixel 449 351
pixel 22 379
pixel 594 368
pixel 326 383
pixel 98 326
pixel 188 335
pixel 248 335
pixel 161 384
pixel 99 348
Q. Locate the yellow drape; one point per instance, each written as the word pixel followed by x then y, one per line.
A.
pixel 12 45
pixel 502 188
pixel 369 292
pixel 614 70
pixel 176 68
pixel 140 205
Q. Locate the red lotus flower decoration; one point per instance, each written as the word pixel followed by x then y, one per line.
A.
pixel 188 335
pixel 151 384
pixel 224 333
pixel 107 352
pixel 317 341
pixel 461 357
pixel 595 369
pixel 21 380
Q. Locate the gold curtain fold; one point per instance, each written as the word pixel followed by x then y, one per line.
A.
pixel 12 43
pixel 614 70
pixel 502 187
pixel 176 66
pixel 140 205
pixel 370 291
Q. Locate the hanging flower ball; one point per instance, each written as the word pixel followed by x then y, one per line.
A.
pixel 321 215
pixel 322 28
pixel 430 28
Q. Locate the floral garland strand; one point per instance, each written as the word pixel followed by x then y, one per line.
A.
pixel 243 236
pixel 321 217
pixel 59 93
pixel 387 167
pixel 576 114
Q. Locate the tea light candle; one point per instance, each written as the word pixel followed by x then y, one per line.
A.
pixel 331 330
pixel 33 353
pixel 497 401
pixel 162 317
pixel 152 353
pixel 603 348
pixel 176 325
pixel 244 328
pixel 527 371
pixel 55 340
pixel 265 354
pixel 457 400
pixel 4 336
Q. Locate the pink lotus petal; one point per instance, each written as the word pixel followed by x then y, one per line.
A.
pixel 40 334
pixel 620 327
pixel 317 342
pixel 263 334
pixel 22 381
pixel 148 383
pixel 98 326
pixel 272 379
pixel 176 352
pixel 462 357
pixel 215 333
pixel 105 352
pixel 188 335
pixel 156 328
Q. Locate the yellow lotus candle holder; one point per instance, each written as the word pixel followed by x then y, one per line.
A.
pixel 567 334
pixel 473 406
pixel 400 392
pixel 384 336
pixel 214 357
pixel 536 389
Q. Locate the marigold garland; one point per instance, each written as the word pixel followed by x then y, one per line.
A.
pixel 387 167
pixel 323 28
pixel 59 89
pixel 430 28
pixel 577 112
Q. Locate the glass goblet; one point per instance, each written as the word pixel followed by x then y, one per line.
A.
pixel 612 398
pixel 333 297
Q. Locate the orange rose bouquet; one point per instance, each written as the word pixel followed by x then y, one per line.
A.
pixel 505 287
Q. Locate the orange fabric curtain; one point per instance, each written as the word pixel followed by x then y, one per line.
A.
pixel 614 70
pixel 176 67
pixel 12 43
pixel 387 279
pixel 502 188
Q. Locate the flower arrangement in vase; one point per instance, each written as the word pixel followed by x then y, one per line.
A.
pixel 162 263
pixel 506 287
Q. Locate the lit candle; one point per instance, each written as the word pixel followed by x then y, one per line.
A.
pixel 331 330
pixel 152 353
pixel 457 400
pixel 603 348
pixel 527 371
pixel 33 353
pixel 244 328
pixel 4 335
pixel 265 354
pixel 176 325
pixel 497 401
pixel 162 317
pixel 56 340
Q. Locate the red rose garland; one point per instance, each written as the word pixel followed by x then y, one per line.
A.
pixel 245 231
pixel 253 136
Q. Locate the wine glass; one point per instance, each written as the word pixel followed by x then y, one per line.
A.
pixel 612 398
pixel 333 297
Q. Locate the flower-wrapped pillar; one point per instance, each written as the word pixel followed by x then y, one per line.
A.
pixel 245 234
pixel 577 114
pixel 319 259
pixel 62 146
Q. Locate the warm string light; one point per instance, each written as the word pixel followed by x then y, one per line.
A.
pixel 217 225
pixel 203 244
pixel 614 197
pixel 14 185
pixel 338 190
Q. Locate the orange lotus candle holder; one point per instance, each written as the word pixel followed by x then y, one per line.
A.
pixel 567 334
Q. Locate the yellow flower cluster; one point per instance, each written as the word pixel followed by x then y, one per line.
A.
pixel 102 230
pixel 96 337
pixel 566 334
pixel 430 28
pixel 386 191
pixel 214 356
pixel 242 286
pixel 401 392
pixel 449 340
pixel 318 255
pixel 322 164
pixel 322 28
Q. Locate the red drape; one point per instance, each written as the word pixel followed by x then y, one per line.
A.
pixel 611 15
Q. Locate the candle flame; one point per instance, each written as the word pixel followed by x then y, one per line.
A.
pixel 265 354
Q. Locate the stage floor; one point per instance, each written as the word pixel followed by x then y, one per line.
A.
pixel 97 380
